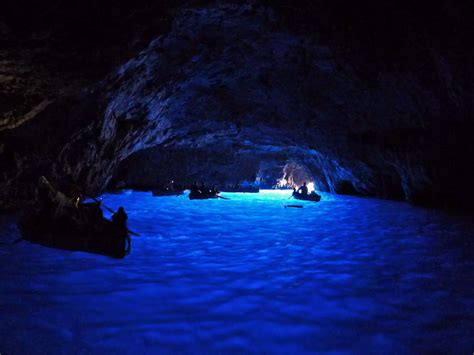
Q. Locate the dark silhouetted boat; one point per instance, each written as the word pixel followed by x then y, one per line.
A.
pixel 309 197
pixel 78 231
pixel 203 196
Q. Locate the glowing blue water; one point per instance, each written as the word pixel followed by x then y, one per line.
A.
pixel 247 275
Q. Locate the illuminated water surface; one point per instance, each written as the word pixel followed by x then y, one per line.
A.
pixel 248 275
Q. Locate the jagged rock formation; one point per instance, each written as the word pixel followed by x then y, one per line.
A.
pixel 240 82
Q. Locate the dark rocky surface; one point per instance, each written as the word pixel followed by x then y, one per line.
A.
pixel 375 100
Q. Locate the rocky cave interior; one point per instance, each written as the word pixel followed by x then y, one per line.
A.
pixel 372 99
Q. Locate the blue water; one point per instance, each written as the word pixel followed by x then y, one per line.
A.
pixel 346 275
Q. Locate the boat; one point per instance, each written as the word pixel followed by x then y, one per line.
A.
pixel 309 197
pixel 82 229
pixel 158 192
pixel 244 189
pixel 201 196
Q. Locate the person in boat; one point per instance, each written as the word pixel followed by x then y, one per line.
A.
pixel 62 202
pixel 214 190
pixel 45 198
pixel 92 212
pixel 203 189
pixel 67 208
pixel 71 189
pixel 303 189
pixel 194 188
pixel 119 218
pixel 169 186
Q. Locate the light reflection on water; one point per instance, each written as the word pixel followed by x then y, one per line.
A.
pixel 343 275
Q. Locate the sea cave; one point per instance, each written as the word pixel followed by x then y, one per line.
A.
pixel 236 177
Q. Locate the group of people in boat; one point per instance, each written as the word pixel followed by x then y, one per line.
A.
pixel 203 191
pixel 66 203
pixel 302 193
pixel 200 191
pixel 60 217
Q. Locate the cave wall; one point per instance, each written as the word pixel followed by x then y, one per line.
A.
pixel 251 80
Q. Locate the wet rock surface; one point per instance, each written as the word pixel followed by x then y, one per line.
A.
pixel 234 91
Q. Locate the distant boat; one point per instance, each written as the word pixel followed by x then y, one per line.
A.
pixel 309 197
pixel 201 196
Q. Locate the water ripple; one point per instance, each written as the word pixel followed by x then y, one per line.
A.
pixel 346 275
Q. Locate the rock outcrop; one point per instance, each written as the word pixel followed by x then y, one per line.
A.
pixel 233 90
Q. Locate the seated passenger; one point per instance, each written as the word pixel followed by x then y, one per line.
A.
pixel 119 218
pixel 169 186
pixel 303 189
pixel 62 202
pixel 71 189
pixel 44 198
pixel 194 188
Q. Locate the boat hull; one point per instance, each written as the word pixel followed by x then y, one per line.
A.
pixel 103 238
pixel 201 197
pixel 313 198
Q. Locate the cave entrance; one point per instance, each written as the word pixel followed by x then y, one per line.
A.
pixel 150 168
pixel 153 167
pixel 295 175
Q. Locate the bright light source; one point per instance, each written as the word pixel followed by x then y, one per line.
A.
pixel 310 187
pixel 282 183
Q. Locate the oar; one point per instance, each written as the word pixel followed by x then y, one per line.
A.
pixel 224 198
pixel 112 211
pixel 102 204
pixel 133 233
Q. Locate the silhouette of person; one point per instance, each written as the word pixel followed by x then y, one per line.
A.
pixel 119 218
pixel 169 186
pixel 303 189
